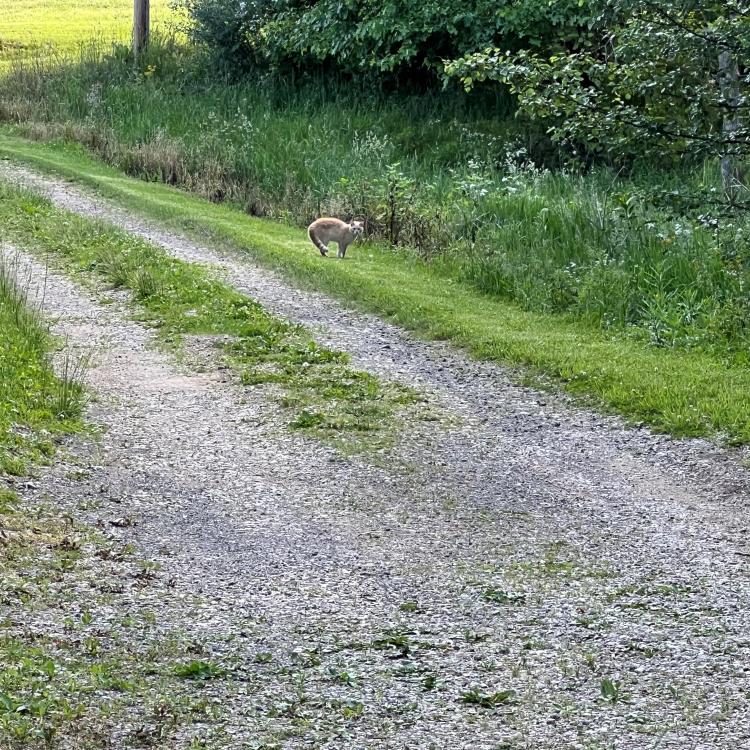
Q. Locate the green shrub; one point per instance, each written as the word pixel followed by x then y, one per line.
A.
pixel 406 41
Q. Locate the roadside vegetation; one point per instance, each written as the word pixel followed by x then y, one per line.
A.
pixel 625 231
pixel 36 404
pixel 450 177
pixel 683 392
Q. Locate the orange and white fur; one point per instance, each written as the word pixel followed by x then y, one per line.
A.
pixel 325 230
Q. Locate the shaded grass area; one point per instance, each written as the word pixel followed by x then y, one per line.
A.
pixel 318 387
pixel 35 404
pixel 684 393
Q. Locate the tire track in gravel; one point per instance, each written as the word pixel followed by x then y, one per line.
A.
pixel 546 548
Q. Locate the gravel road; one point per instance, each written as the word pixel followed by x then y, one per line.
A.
pixel 597 571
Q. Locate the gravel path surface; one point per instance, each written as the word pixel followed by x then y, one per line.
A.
pixel 599 572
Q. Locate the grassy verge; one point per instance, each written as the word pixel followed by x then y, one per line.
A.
pixel 685 393
pixel 35 404
pixel 320 390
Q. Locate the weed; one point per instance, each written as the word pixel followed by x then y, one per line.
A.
pixel 395 645
pixel 8 500
pixel 498 596
pixel 307 419
pixel 78 475
pixel 33 398
pixel 352 710
pixel 612 691
pixel 342 677
pixel 429 682
pixel 487 700
pixel 199 670
pixel 639 648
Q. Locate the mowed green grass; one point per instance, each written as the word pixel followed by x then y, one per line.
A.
pixel 60 26
pixel 319 390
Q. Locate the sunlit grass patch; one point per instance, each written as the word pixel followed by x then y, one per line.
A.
pixel 58 27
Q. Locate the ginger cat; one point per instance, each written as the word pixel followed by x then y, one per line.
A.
pixel 325 230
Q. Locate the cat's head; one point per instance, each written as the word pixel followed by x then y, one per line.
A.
pixel 357 227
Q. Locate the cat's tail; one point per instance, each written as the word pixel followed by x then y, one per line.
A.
pixel 317 241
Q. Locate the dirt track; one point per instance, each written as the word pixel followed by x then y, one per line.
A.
pixel 532 547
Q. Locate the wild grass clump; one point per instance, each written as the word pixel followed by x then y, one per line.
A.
pixel 454 178
pixel 35 402
pixel 573 244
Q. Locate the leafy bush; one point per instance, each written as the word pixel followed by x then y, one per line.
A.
pixel 229 31
pixel 387 40
pixel 666 80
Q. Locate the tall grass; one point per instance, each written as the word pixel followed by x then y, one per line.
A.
pixel 34 401
pixel 447 175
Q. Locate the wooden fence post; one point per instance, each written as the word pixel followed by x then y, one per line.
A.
pixel 140 26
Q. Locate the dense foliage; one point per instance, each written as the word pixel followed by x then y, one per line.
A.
pixel 612 79
pixel 666 79
pixel 388 39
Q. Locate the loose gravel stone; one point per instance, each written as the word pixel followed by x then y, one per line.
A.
pixel 597 571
